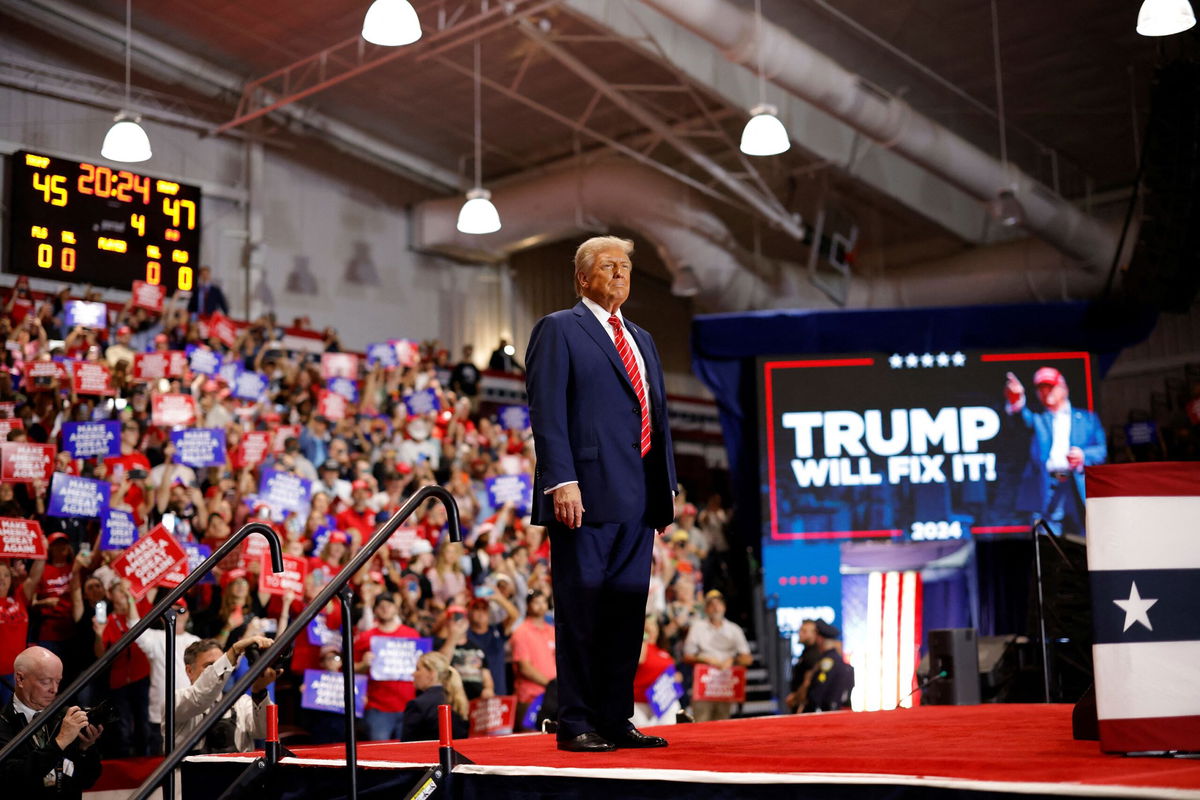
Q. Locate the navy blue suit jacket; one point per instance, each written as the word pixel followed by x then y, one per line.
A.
pixel 587 422
pixel 1087 433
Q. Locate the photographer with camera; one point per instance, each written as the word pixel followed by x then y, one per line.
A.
pixel 208 668
pixel 60 760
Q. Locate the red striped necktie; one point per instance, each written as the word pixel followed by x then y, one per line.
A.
pixel 635 377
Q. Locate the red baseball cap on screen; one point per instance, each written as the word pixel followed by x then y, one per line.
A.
pixel 1048 375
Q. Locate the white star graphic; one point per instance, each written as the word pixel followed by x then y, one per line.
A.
pixel 1136 608
pixel 927 360
pixel 959 359
pixel 911 360
pixel 943 360
pixel 897 361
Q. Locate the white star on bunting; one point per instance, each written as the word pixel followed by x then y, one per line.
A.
pixel 1136 608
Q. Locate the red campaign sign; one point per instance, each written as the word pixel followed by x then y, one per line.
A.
pixel 21 538
pixel 159 364
pixel 493 716
pixel 10 424
pixel 8 410
pixel 295 570
pixel 222 329
pixel 44 374
pixel 332 406
pixel 150 559
pixel 170 410
pixel 719 685
pixel 282 434
pixel 252 449
pixel 402 540
pixel 339 365
pixel 149 296
pixel 253 549
pixel 26 462
pixel 92 377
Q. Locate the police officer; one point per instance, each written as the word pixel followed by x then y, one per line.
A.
pixel 832 678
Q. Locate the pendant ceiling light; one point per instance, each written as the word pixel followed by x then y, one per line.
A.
pixel 478 215
pixel 391 23
pixel 764 134
pixel 125 140
pixel 1164 17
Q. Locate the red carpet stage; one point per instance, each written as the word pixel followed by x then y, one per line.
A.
pixel 963 751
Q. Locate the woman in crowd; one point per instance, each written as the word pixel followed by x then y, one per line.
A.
pixel 437 683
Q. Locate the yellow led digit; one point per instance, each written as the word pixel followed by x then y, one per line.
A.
pixel 153 272
pixel 185 279
pixel 45 256
pixel 68 259
pixel 138 221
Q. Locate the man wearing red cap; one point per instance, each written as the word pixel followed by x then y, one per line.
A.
pixel 359 516
pixel 1063 441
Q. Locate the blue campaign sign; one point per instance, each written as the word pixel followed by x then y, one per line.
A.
pixel 664 692
pixel 92 439
pixel 517 489
pixel 117 530
pixel 199 447
pixel 514 418
pixel 230 371
pixel 86 314
pixel 71 496
pixel 395 657
pixel 283 491
pixel 345 387
pixel 804 575
pixel 324 691
pixel 196 554
pixel 383 353
pixel 250 385
pixel 203 360
pixel 422 402
pixel 321 635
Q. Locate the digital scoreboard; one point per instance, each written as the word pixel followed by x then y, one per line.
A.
pixel 92 224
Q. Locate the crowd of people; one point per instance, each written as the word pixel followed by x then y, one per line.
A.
pixel 475 618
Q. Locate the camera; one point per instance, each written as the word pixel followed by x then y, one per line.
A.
pixel 254 653
pixel 102 713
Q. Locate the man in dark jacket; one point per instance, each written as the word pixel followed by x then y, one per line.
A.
pixel 832 678
pixel 60 759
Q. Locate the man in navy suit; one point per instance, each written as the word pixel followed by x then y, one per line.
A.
pixel 1064 440
pixel 207 296
pixel 604 483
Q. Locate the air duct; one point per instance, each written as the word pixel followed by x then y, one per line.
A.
pixel 813 76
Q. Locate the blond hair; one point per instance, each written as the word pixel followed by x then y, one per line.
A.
pixel 585 254
pixel 450 680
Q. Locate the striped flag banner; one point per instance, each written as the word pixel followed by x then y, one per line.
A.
pixel 885 662
pixel 1144 565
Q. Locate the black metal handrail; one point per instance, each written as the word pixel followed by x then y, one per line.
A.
pixel 284 638
pixel 163 606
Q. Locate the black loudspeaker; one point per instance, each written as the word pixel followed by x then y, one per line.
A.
pixel 955 652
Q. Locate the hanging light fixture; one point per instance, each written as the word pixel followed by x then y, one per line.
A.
pixel 1164 17
pixel 764 134
pixel 478 215
pixel 125 140
pixel 391 23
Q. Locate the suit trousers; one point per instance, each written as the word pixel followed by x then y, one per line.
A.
pixel 601 576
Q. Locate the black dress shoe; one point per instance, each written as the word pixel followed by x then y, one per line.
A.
pixel 633 738
pixel 590 742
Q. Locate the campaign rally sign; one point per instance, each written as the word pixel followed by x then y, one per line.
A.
pixel 149 296
pixel 281 434
pixel 395 657
pixel 250 385
pixel 92 377
pixel 402 540
pixel 422 402
pixel 8 409
pixel 8 424
pixel 170 410
pixel 203 359
pixel 324 691
pixel 663 693
pixel 118 530
pixel 295 570
pixel 92 439
pixel 26 462
pixel 332 406
pixel 221 328
pixel 1143 556
pixel 252 449
pixel 493 716
pixel 283 491
pixel 84 314
pixel 159 364
pixel 513 418
pixel 339 365
pixel 515 489
pixel 253 548
pixel 231 369
pixel 150 559
pixel 346 387
pixel 382 353
pixel 199 447
pixel 196 555
pixel 41 375
pixel 21 538
pixel 719 685
pixel 72 496
pixel 408 352
pixel 321 635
